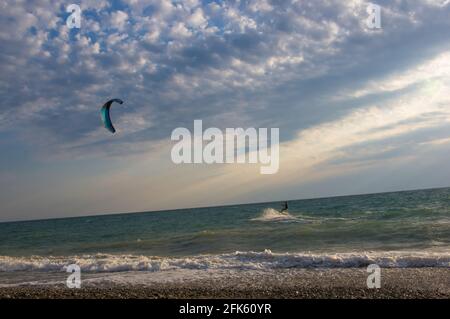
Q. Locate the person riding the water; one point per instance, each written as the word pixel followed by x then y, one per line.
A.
pixel 285 207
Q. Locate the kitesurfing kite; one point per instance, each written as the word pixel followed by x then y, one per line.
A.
pixel 105 114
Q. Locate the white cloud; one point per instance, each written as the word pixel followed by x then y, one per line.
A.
pixel 119 19
pixel 432 71
pixel 197 19
pixel 179 30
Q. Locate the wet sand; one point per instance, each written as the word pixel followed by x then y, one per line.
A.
pixel 285 283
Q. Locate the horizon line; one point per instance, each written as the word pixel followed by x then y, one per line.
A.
pixel 226 205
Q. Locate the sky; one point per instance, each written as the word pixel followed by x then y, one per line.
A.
pixel 359 110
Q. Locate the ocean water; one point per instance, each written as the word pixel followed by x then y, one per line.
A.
pixel 400 229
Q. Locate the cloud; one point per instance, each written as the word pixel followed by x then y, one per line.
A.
pixel 311 68
pixel 119 19
pixel 366 137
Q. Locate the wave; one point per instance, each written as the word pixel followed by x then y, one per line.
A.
pixel 272 215
pixel 239 260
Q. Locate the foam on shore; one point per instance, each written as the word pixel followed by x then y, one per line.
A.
pixel 238 260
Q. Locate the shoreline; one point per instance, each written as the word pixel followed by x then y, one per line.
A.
pixel 292 283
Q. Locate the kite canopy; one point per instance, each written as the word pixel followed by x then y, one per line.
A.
pixel 105 114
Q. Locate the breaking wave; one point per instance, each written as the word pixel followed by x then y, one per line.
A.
pixel 238 260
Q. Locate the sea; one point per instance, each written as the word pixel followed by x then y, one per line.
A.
pixel 397 229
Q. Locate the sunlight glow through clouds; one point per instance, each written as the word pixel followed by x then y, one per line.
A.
pixel 429 106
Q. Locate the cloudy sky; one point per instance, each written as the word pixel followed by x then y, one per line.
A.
pixel 359 110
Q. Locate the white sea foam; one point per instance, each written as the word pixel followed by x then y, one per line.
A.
pixel 238 260
pixel 272 215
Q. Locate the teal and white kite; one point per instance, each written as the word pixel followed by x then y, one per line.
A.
pixel 105 114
